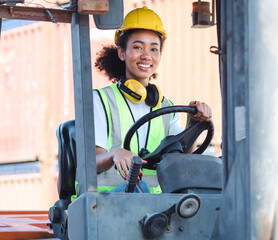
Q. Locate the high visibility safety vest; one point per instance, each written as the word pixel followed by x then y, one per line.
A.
pixel 119 119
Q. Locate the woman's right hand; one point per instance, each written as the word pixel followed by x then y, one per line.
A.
pixel 122 159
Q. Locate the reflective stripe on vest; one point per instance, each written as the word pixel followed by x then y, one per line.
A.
pixel 119 123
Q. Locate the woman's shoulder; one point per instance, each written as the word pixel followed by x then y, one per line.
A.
pixel 113 85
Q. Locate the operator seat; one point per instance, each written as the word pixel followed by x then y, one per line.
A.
pixel 66 159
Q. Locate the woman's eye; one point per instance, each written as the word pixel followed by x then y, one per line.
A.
pixel 154 49
pixel 137 47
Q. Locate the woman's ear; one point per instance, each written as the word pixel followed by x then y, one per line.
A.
pixel 121 53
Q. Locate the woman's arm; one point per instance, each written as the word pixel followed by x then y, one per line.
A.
pixel 104 160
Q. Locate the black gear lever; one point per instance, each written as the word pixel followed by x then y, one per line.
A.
pixel 133 174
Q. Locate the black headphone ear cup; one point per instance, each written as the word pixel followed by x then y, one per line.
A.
pixel 153 95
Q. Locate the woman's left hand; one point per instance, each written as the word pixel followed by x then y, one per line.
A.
pixel 203 111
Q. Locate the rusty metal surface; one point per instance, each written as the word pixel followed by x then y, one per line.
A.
pixel 24 225
pixel 93 7
pixel 35 13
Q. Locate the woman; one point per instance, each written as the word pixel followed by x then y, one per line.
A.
pixel 130 65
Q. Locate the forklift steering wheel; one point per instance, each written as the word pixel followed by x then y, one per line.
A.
pixel 181 142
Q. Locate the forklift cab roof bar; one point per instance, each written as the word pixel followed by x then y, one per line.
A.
pixel 86 173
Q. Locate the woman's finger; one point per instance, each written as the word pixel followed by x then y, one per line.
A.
pixel 144 161
pixel 125 167
pixel 119 168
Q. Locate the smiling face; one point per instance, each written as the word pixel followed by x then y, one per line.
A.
pixel 142 55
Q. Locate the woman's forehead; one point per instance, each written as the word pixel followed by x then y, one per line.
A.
pixel 144 36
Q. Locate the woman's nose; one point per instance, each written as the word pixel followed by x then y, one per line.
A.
pixel 146 55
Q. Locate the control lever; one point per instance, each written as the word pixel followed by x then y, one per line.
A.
pixel 133 174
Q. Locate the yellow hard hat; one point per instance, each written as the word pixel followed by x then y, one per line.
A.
pixel 142 18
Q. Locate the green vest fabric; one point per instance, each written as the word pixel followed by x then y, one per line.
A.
pixel 119 120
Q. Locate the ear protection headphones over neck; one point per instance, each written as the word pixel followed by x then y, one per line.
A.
pixel 137 93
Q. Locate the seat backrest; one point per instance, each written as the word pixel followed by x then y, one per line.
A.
pixel 66 159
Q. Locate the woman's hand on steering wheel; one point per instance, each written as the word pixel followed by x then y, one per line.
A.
pixel 122 159
pixel 203 111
